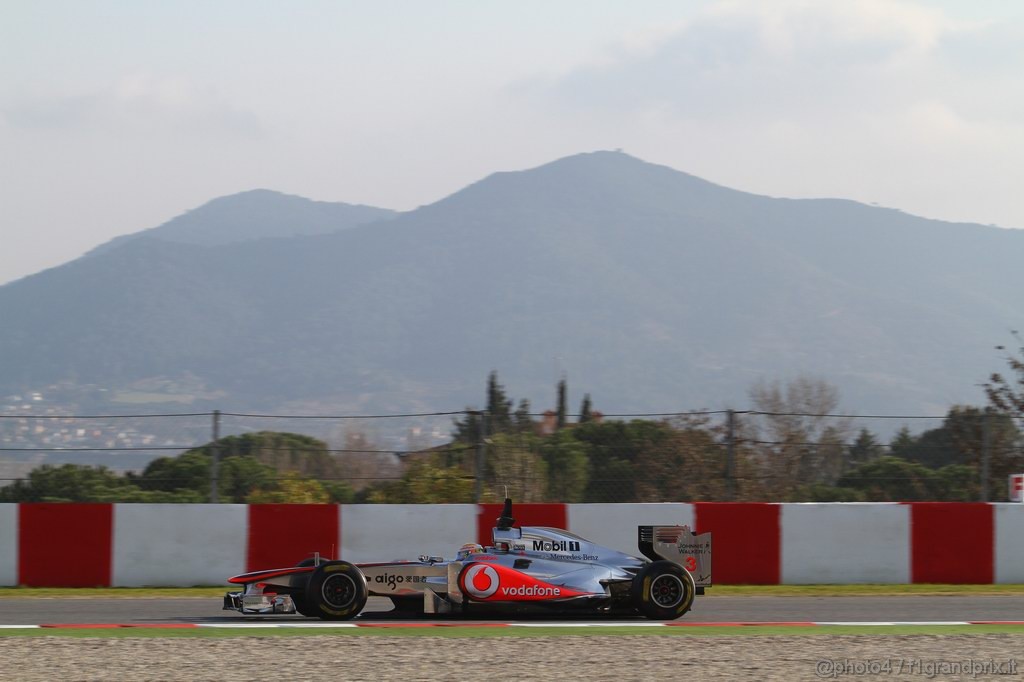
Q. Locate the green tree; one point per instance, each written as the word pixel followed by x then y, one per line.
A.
pixel 238 476
pixel 77 483
pixel 586 410
pixel 891 479
pixel 468 429
pixel 684 465
pixel 424 482
pixel 613 448
pixel 563 405
pixel 522 418
pixel 499 406
pixel 256 463
pixel 339 492
pixel 567 467
pixel 961 441
pixel 818 492
pixel 281 451
pixel 290 489
pixel 188 471
pixel 956 483
pixel 863 450
pixel 902 444
pixel 513 461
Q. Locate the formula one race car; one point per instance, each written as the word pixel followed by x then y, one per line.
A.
pixel 526 570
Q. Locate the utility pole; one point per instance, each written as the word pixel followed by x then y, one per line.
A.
pixel 986 452
pixel 730 454
pixel 481 451
pixel 215 459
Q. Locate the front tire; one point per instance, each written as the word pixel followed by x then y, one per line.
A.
pixel 299 582
pixel 663 590
pixel 336 591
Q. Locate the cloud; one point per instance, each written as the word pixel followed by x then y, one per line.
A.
pixel 137 103
pixel 802 60
pixel 878 101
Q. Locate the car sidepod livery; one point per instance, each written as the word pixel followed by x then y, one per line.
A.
pixel 528 570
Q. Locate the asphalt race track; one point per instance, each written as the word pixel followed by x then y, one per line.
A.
pixel 709 609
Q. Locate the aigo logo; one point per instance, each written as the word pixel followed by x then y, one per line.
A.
pixel 480 581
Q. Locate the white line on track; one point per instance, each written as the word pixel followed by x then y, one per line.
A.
pixel 898 622
pixel 318 624
pixel 385 626
pixel 584 625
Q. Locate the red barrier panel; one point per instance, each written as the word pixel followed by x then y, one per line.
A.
pixel 65 545
pixel 951 542
pixel 746 541
pixel 282 535
pixel 553 515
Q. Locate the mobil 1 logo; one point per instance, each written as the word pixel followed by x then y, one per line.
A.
pixel 555 546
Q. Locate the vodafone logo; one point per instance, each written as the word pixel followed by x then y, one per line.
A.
pixel 531 591
pixel 480 581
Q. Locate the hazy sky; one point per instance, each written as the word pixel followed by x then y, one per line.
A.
pixel 116 116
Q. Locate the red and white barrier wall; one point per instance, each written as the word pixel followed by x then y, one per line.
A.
pixel 754 543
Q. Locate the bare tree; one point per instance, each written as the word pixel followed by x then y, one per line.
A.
pixel 1006 395
pixel 796 432
pixel 362 459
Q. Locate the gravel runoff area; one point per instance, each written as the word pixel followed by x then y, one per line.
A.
pixel 744 657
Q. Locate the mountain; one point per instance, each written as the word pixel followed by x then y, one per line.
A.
pixel 256 214
pixel 652 289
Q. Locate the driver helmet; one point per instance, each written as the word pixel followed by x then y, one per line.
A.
pixel 469 549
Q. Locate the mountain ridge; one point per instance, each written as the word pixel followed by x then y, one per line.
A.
pixel 653 289
pixel 255 214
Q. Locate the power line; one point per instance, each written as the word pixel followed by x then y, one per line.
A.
pixel 104 416
pixel 343 416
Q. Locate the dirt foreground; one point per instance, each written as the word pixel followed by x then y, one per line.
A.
pixel 809 657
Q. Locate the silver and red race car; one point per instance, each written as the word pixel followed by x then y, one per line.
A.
pixel 528 570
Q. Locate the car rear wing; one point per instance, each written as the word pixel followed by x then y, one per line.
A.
pixel 680 546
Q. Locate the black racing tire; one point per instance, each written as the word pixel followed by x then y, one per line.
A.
pixel 663 590
pixel 298 589
pixel 336 591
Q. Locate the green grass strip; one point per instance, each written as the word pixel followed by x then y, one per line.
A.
pixel 478 632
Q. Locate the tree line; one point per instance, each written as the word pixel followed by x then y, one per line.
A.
pixel 790 448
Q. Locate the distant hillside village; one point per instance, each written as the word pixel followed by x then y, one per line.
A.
pixel 31 423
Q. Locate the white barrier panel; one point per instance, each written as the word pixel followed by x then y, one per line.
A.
pixel 614 525
pixel 178 544
pixel 843 543
pixel 385 532
pixel 8 544
pixel 1009 539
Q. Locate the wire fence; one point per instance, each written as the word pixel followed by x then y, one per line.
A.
pixel 466 456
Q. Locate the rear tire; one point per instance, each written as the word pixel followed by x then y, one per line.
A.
pixel 663 590
pixel 336 591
